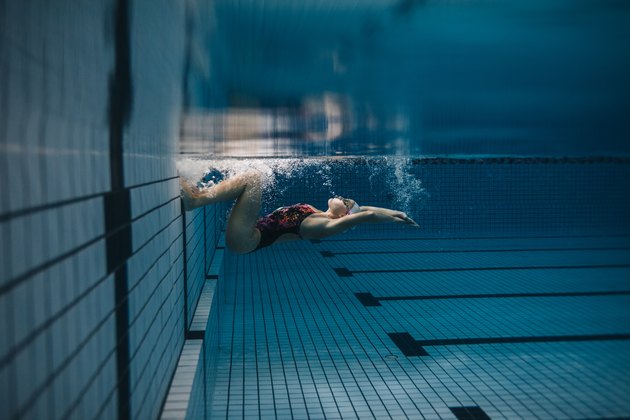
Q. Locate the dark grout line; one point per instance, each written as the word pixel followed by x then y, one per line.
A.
pixel 10 284
pixel 5 217
pixel 145 184
pixel 36 209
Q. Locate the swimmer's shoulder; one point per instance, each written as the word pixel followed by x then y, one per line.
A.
pixel 313 226
pixel 315 220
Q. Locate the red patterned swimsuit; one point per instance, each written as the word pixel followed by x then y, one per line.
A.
pixel 280 221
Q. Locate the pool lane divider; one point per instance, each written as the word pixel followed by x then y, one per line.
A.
pixel 458 238
pixel 345 272
pixel 367 299
pixel 411 347
pixel 469 413
pixel 330 254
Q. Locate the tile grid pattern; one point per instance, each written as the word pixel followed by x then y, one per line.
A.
pixel 195 260
pixel 58 329
pixel 296 342
pixel 187 392
pixel 187 376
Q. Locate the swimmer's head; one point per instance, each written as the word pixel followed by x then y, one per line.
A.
pixel 339 206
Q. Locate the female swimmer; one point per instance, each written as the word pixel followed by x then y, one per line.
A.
pixel 246 231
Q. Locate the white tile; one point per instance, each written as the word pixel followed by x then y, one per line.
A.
pixel 5 253
pixel 22 315
pixel 40 408
pixel 58 286
pixel 40 299
pixel 58 334
pixel 66 227
pixel 15 167
pixel 8 389
pixel 61 391
pixel 33 179
pixel 24 386
pixel 53 232
pixel 39 368
pixel 38 246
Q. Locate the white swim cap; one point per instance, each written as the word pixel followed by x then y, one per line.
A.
pixel 355 209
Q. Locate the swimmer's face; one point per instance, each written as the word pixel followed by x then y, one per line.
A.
pixel 339 206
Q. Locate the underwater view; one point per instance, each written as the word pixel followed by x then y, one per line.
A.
pixel 318 209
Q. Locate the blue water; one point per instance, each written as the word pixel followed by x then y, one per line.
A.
pixel 501 128
pixel 510 301
pixel 414 77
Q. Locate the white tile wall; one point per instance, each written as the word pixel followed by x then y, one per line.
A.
pixel 57 324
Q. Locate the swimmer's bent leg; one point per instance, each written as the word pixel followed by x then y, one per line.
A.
pixel 241 235
pixel 227 190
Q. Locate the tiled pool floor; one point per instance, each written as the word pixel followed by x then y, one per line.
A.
pixel 435 328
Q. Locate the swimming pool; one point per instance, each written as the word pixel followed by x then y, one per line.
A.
pixel 510 301
pixel 500 126
pixel 411 328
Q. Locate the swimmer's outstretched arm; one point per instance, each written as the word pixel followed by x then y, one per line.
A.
pixel 389 212
pixel 336 226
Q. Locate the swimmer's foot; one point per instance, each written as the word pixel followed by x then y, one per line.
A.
pixel 213 177
pixel 190 195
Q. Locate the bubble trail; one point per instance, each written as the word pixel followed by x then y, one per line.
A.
pixel 402 185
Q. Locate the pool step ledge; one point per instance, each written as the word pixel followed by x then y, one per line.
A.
pixel 185 398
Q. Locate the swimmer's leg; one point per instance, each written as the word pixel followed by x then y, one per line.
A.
pixel 241 235
pixel 227 190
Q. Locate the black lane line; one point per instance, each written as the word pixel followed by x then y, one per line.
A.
pixel 367 299
pixel 436 251
pixel 117 203
pixel 411 347
pixel 435 238
pixel 195 334
pixel 344 272
pixel 469 413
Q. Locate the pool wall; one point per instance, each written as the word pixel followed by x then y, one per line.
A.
pixel 99 270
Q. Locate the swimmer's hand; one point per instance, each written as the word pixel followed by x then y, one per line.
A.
pixel 393 217
pixel 399 215
pixel 406 219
